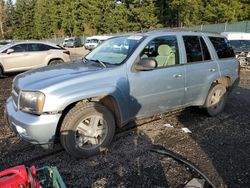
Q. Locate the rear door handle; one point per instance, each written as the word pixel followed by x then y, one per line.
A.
pixel 211 70
pixel 177 75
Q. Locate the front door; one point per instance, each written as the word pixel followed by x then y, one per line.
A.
pixel 160 89
pixel 18 60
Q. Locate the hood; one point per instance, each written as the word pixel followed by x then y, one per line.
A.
pixel 46 76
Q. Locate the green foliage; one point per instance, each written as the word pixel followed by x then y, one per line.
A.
pixel 24 19
pixel 9 21
pixel 39 19
pixel 218 11
pixel 142 15
pixel 187 12
pixel 42 19
pixel 3 18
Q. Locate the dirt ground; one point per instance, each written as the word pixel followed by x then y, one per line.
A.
pixel 219 146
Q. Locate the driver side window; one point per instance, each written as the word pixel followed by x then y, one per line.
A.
pixel 18 48
pixel 163 49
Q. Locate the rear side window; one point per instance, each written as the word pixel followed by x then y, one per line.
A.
pixel 196 49
pixel 36 47
pixel 48 47
pixel 222 47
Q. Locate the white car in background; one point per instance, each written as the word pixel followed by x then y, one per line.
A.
pixel 241 45
pixel 94 41
pixel 22 56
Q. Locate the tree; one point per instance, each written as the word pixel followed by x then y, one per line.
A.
pixel 217 11
pixel 3 18
pixel 142 15
pixel 9 22
pixel 42 19
pixel 185 12
pixel 59 18
pixel 24 19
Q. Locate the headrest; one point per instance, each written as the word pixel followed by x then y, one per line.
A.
pixel 164 50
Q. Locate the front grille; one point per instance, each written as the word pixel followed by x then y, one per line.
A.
pixel 15 95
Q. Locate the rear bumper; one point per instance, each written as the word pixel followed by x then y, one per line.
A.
pixel 32 128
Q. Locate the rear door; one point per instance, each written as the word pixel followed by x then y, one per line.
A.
pixel 225 57
pixel 38 53
pixel 201 69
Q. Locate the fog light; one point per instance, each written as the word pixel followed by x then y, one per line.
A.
pixel 21 130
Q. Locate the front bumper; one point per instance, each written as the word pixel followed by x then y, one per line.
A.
pixel 32 128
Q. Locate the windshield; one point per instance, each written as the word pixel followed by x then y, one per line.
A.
pixel 240 44
pixel 114 51
pixel 92 41
pixel 2 47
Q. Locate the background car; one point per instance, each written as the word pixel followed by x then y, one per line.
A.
pixel 21 56
pixel 94 41
pixel 72 42
pixel 241 45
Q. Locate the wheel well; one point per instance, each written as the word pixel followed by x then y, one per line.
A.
pixel 55 59
pixel 1 67
pixel 225 80
pixel 111 104
pixel 108 101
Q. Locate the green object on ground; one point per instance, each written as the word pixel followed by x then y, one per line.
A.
pixel 49 177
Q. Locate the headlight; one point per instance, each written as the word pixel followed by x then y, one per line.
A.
pixel 31 101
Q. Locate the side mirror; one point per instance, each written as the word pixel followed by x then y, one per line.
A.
pixel 146 64
pixel 9 51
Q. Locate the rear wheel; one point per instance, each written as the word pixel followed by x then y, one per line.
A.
pixel 87 129
pixel 55 62
pixel 216 99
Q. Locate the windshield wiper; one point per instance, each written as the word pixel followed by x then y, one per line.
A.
pixel 98 61
pixel 84 59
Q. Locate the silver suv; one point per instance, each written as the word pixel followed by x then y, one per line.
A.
pixel 125 78
pixel 22 56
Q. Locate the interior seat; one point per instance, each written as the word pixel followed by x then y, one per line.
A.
pixel 166 56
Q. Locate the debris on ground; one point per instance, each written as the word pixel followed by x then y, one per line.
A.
pixel 186 130
pixel 168 125
pixel 218 145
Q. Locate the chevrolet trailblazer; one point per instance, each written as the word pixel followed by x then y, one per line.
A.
pixel 82 103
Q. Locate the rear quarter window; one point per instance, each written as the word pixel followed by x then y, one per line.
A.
pixel 222 47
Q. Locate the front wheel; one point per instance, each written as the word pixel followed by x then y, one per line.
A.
pixel 216 99
pixel 87 129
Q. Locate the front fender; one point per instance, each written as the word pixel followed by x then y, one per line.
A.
pixel 57 104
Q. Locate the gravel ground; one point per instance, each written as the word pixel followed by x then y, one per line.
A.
pixel 219 146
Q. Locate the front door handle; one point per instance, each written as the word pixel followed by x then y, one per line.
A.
pixel 211 70
pixel 177 75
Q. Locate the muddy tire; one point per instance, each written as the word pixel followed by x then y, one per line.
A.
pixel 216 99
pixel 87 129
pixel 55 62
